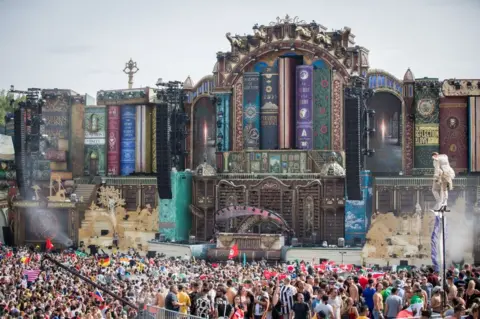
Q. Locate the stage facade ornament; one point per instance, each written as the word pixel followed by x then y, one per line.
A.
pixel 337 48
pixel 454 87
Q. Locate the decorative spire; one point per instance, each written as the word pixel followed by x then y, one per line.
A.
pixel 130 69
pixel 188 84
pixel 408 77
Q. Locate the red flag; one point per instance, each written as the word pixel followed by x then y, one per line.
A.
pixel 233 252
pixel 48 244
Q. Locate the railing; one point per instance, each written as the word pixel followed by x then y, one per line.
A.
pixel 118 181
pixel 153 312
pixel 412 181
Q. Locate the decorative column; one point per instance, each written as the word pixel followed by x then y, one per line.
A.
pixel 427 102
pixel 223 121
pixel 251 110
pixel 409 120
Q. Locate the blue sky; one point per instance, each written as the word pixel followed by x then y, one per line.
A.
pixel 83 44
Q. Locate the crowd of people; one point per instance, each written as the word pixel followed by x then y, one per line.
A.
pixel 31 287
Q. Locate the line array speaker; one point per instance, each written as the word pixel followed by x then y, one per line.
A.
pixel 164 160
pixel 19 144
pixel 353 147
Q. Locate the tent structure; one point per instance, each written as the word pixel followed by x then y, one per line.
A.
pixel 7 152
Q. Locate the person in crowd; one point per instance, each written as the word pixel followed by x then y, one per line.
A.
pixel 301 309
pixel 368 293
pixel 378 302
pixel 393 304
pixel 171 301
pixel 183 300
pixel 325 308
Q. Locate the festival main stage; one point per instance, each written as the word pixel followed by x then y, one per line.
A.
pixel 273 148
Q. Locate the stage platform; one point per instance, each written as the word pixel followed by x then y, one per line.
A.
pixel 287 253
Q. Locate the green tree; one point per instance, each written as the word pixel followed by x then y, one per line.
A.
pixel 8 103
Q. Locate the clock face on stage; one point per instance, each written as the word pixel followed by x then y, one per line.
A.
pixel 426 107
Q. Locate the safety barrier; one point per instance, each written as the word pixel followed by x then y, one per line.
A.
pixel 153 312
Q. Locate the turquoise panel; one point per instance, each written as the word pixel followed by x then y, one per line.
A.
pixel 175 216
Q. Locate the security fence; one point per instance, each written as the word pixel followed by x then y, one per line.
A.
pixel 153 312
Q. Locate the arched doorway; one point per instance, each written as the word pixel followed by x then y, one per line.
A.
pixel 387 141
pixel 204 131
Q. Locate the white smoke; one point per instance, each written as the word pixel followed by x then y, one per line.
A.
pixel 47 225
pixel 460 232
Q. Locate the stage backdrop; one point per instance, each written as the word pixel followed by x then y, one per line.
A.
pixel 41 224
pixel 454 131
pixel 387 141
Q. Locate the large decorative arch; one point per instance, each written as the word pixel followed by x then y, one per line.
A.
pixel 288 35
pixel 203 101
pixel 383 81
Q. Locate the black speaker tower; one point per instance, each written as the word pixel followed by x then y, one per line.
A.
pixel 19 143
pixel 357 132
pixel 30 140
pixel 164 163
pixel 171 133
pixel 352 146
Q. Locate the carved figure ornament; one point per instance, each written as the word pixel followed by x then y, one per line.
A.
pixel 304 32
pixel 237 41
pixel 259 32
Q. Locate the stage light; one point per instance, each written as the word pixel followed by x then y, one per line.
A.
pixel 469 84
pixel 457 85
pixel 478 85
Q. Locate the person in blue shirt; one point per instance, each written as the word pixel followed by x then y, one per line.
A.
pixel 368 293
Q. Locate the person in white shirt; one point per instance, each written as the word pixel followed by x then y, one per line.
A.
pixel 326 308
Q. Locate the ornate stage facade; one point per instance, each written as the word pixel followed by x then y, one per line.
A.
pixel 270 123
pixel 267 155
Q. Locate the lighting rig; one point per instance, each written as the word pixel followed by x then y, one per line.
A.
pixel 30 159
pixel 367 117
pixel 173 94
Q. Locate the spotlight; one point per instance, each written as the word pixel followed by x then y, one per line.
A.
pixel 457 85
pixel 478 85
pixel 371 113
pixel 219 124
pixel 469 84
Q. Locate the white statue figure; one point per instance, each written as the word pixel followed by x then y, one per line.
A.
pixel 442 180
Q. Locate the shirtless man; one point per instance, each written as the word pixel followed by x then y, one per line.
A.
pixel 353 290
pixel 378 302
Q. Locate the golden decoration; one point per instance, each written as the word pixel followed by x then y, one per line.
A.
pixel 57 188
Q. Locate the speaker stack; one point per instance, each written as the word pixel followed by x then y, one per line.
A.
pixel 353 144
pixel 19 144
pixel 164 162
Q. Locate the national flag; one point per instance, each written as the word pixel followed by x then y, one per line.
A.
pixel 25 259
pixel 104 261
pixel 32 275
pixel 233 252
pixel 80 254
pixel 48 244
pixel 98 296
